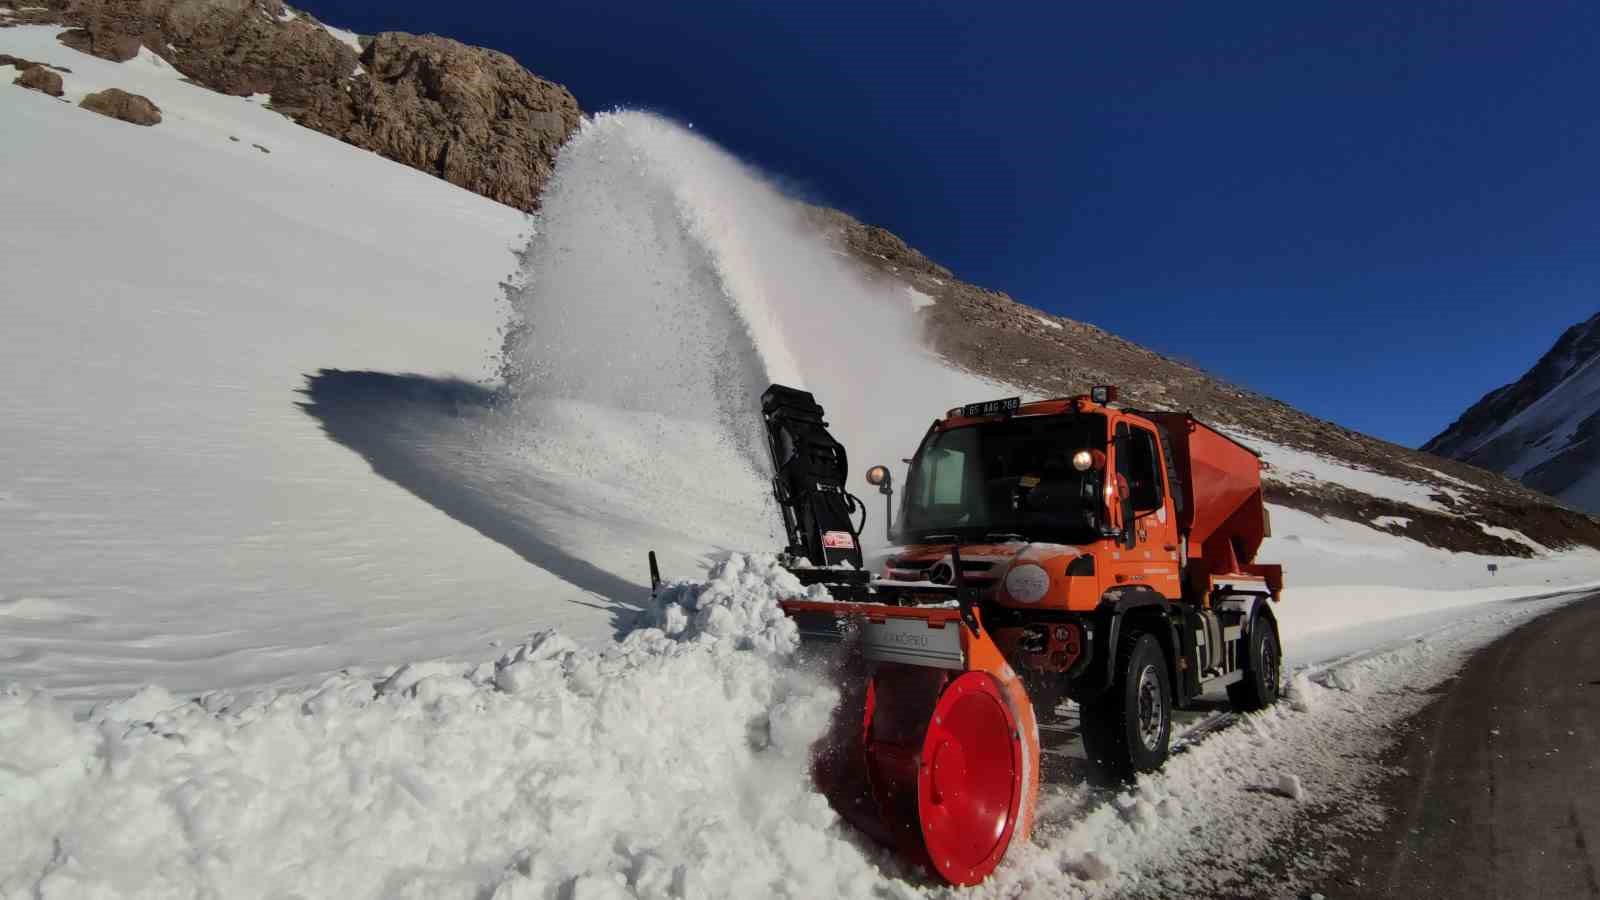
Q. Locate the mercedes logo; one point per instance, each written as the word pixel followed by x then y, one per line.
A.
pixel 942 573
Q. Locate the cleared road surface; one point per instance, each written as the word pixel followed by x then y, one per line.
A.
pixel 1502 795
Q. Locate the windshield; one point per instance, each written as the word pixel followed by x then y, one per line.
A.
pixel 1007 480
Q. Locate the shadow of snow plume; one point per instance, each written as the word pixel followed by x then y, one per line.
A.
pixel 443 439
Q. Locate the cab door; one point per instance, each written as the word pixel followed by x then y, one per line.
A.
pixel 1148 552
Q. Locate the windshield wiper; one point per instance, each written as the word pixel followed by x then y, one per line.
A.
pixel 1004 536
pixel 940 538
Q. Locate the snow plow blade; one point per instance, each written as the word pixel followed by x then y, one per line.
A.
pixel 933 749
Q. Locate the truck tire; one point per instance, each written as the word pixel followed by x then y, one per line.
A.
pixel 1126 730
pixel 1263 670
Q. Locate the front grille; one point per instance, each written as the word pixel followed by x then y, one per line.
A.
pixel 922 565
pixel 977 572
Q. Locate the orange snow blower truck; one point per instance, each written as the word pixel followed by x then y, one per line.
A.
pixel 1063 549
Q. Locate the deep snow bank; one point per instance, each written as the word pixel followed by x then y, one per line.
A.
pixel 672 763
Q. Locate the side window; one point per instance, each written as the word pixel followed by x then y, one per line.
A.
pixel 1144 471
pixel 948 476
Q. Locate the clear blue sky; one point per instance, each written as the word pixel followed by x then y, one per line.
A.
pixel 1375 214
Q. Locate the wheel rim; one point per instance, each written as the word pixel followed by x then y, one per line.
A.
pixel 1151 707
pixel 1269 664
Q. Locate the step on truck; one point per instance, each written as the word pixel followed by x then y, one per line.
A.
pixel 1067 549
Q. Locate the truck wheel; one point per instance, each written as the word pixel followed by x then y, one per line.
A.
pixel 1263 669
pixel 1127 728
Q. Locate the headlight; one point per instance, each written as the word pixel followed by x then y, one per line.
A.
pixel 1027 583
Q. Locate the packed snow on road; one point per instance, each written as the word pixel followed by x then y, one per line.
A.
pixel 324 553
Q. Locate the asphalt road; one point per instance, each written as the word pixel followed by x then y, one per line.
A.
pixel 1502 792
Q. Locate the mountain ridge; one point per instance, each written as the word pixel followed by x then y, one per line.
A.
pixel 1543 428
pixel 479 119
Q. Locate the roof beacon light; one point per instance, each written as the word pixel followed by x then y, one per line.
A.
pixel 1103 394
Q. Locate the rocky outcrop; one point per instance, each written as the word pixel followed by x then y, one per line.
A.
pixel 102 43
pixel 17 62
pixel 471 116
pixel 119 104
pixel 40 79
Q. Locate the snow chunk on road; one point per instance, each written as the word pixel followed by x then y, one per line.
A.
pixel 1289 786
pixel 1093 866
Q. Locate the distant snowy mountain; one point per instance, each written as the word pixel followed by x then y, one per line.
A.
pixel 1544 428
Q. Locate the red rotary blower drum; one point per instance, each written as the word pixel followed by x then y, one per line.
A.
pixel 970 783
pixel 951 765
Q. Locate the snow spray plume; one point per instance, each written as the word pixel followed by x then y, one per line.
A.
pixel 666 277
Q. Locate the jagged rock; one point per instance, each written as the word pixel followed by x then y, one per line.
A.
pixel 20 64
pixel 31 12
pixel 471 116
pixel 234 46
pixel 40 79
pixel 119 104
pixel 101 42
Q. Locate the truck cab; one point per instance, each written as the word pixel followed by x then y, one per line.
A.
pixel 1079 523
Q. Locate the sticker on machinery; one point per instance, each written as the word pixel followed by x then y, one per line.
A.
pixel 838 540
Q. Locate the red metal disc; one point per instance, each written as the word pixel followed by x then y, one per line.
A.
pixel 969 783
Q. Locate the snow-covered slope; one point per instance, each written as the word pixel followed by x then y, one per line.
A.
pixel 170 512
pixel 1543 429
pixel 255 429
pixel 274 442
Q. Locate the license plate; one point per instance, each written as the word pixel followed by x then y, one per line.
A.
pixel 992 407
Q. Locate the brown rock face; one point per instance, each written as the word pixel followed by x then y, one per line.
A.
pixel 234 46
pixel 40 79
pixel 119 104
pixel 471 116
pixel 102 43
